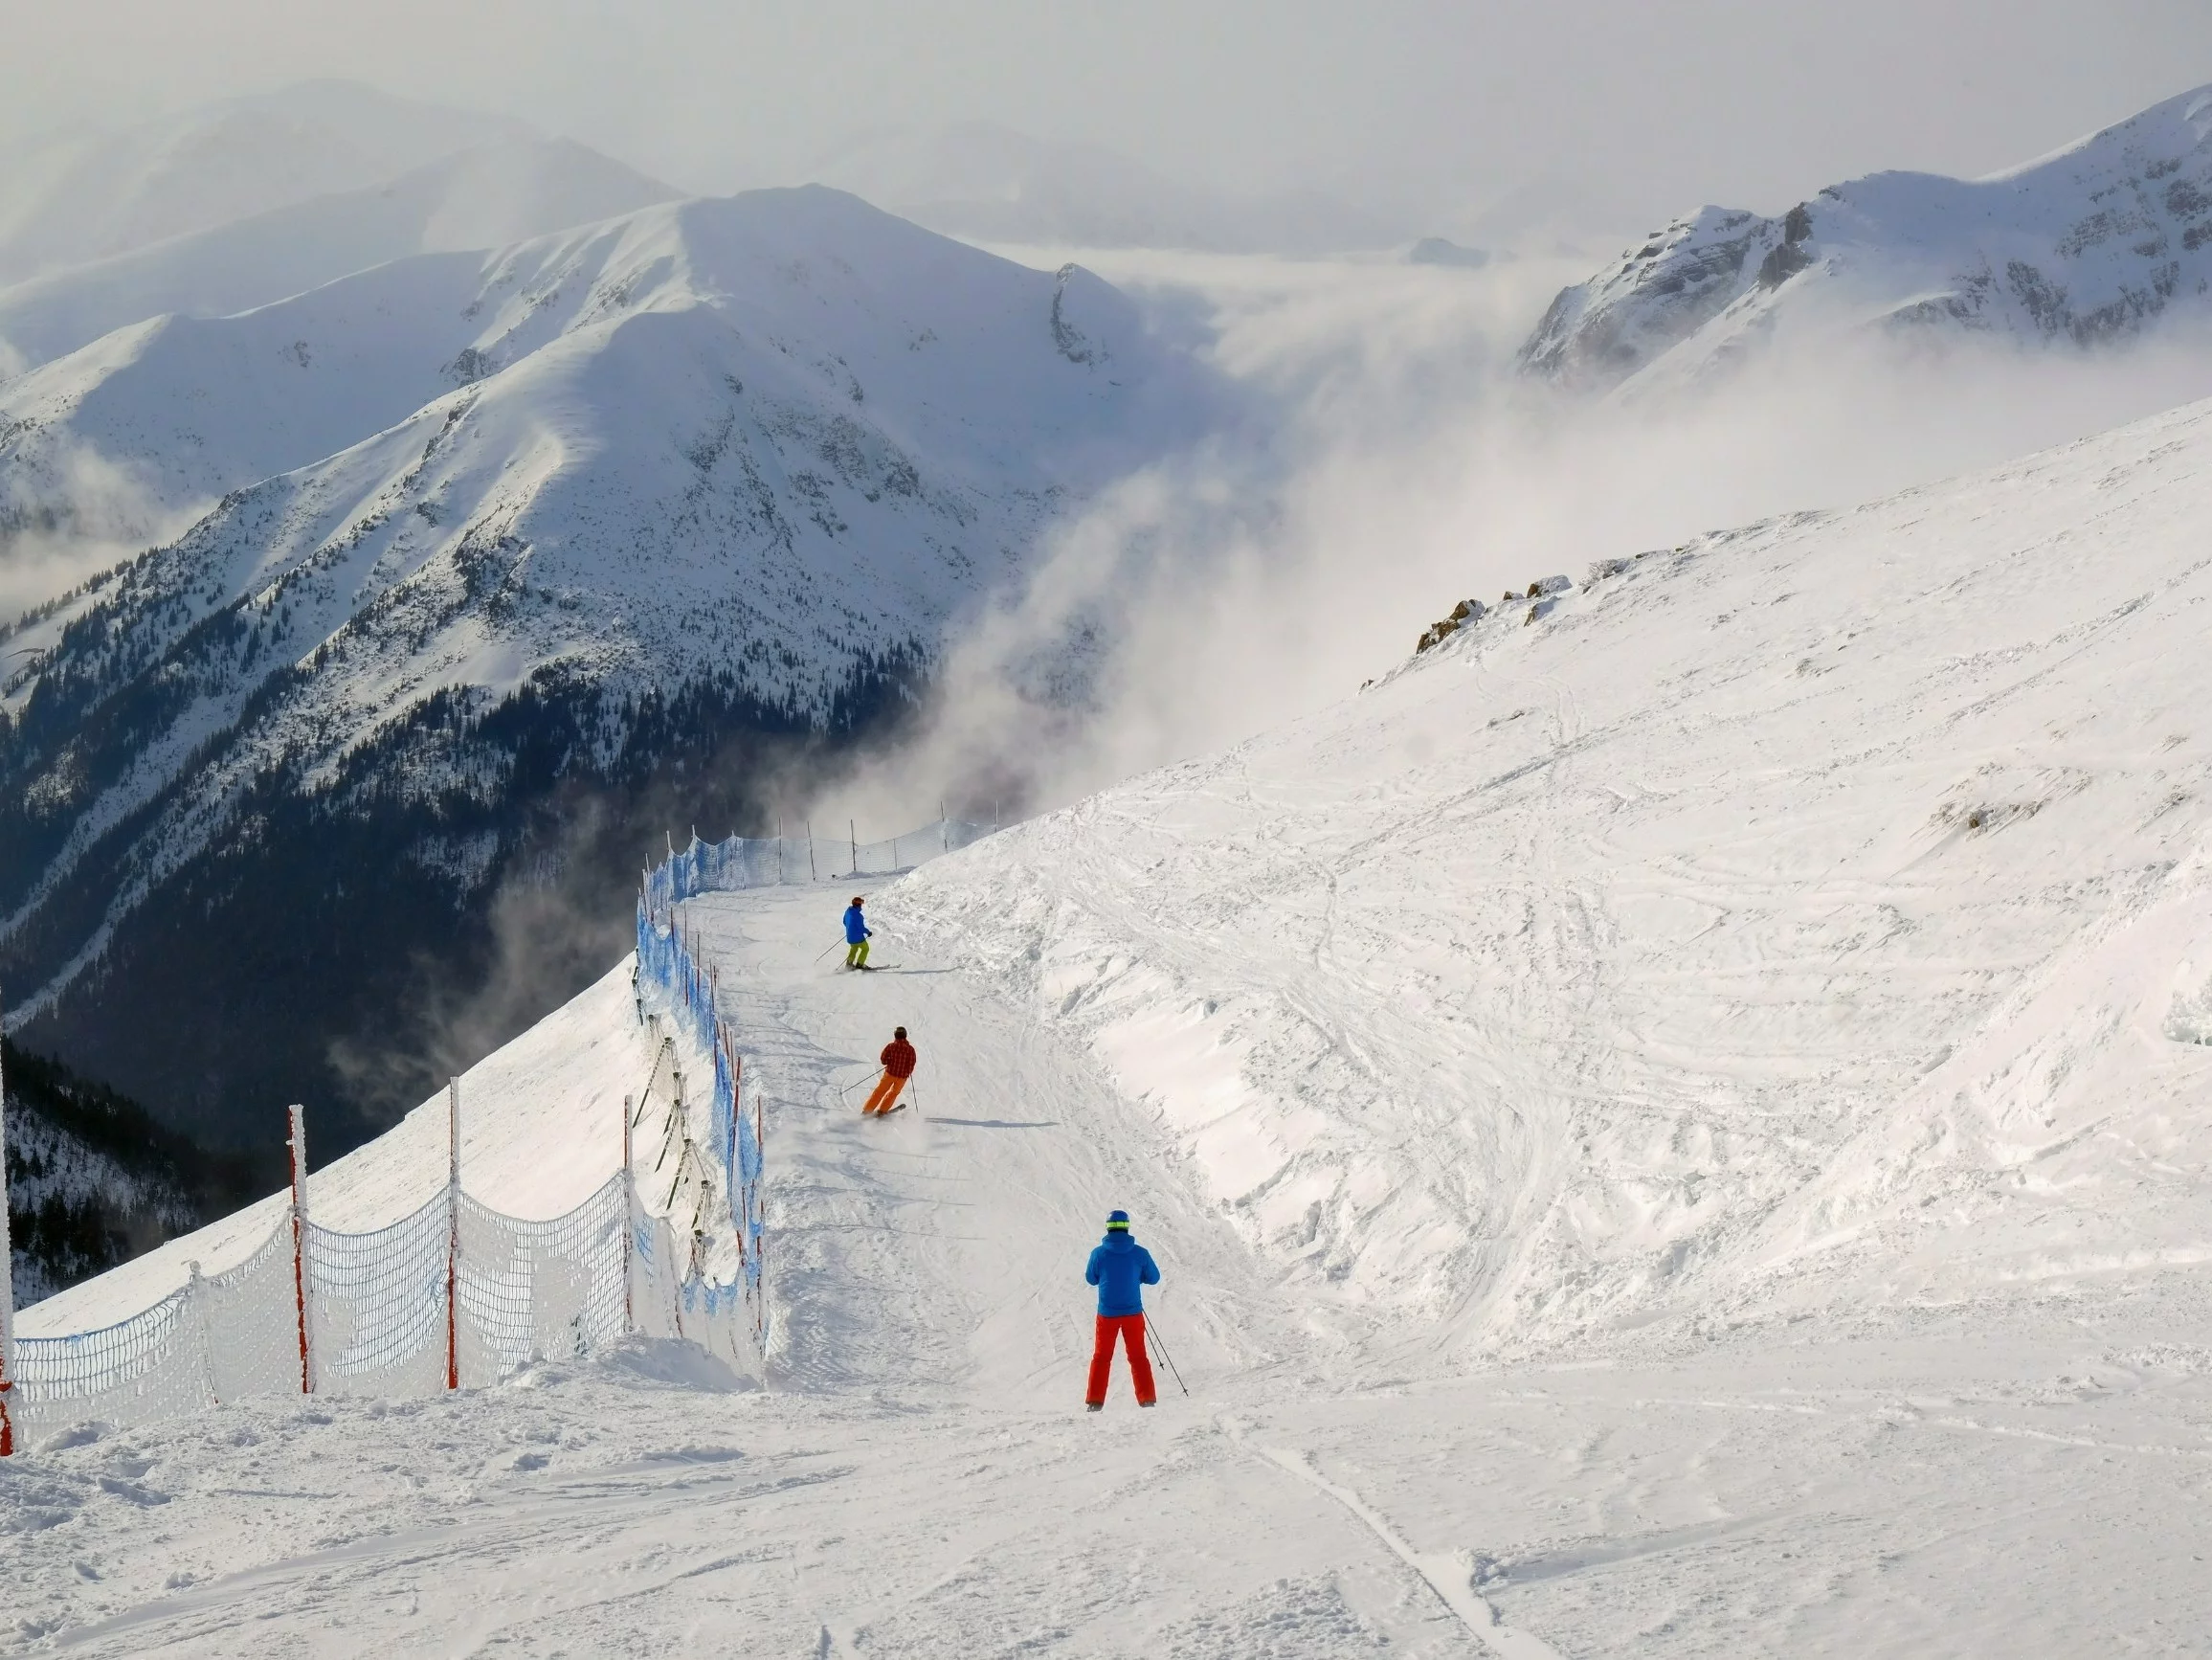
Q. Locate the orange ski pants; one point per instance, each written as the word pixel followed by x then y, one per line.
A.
pixel 886 1095
pixel 1130 1330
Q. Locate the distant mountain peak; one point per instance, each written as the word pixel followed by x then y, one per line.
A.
pixel 97 195
pixel 2089 243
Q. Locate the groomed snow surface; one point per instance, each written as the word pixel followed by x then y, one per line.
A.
pixel 1674 1124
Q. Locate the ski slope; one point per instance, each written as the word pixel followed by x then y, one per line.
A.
pixel 917 1479
pixel 1803 916
pixel 1673 1125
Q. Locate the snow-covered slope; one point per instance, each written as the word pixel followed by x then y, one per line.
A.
pixel 485 197
pixel 87 198
pixel 709 468
pixel 1673 1125
pixel 2086 245
pixel 1815 914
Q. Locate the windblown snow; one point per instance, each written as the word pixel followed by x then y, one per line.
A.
pixel 1674 1124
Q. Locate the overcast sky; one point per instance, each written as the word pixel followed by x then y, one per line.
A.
pixel 1640 106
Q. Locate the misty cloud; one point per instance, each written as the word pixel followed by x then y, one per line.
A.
pixel 1408 467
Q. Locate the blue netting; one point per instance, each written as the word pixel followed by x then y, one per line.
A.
pixel 667 964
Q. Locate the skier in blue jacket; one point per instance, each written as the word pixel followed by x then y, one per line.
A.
pixel 1121 1268
pixel 857 935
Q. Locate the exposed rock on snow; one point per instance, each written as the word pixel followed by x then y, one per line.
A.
pixel 2086 245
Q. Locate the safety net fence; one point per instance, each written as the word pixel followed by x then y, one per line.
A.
pixel 457 1294
pixel 730 1179
pixel 772 861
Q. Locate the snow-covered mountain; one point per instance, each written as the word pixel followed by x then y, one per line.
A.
pixel 87 198
pixel 539 518
pixel 2089 244
pixel 485 197
pixel 989 184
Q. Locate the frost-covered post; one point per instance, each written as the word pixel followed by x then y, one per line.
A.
pixel 629 1221
pixel 297 1144
pixel 196 1311
pixel 7 1269
pixel 812 875
pixel 853 836
pixel 452 1233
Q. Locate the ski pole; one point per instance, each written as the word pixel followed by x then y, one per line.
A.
pixel 829 947
pixel 1161 1349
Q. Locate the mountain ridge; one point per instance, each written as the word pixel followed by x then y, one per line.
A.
pixel 713 468
pixel 2092 242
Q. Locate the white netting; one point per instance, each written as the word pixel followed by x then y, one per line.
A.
pixel 668 1300
pixel 377 1305
pixel 250 1316
pixel 376 1301
pixel 656 1278
pixel 540 1288
pixel 135 1370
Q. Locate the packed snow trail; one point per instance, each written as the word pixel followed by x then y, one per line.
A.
pixel 939 1254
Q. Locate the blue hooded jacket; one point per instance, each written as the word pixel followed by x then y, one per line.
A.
pixel 855 930
pixel 1121 1268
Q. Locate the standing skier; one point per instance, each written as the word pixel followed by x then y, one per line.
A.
pixel 898 1058
pixel 1121 1268
pixel 857 935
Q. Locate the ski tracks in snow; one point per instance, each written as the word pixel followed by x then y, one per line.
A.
pixel 1448 1574
pixel 940 1253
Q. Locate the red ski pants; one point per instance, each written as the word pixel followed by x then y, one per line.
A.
pixel 885 1095
pixel 1130 1330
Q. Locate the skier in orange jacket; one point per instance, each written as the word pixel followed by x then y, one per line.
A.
pixel 898 1058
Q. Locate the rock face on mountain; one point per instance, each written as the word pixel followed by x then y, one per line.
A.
pixel 2083 246
pixel 544 524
